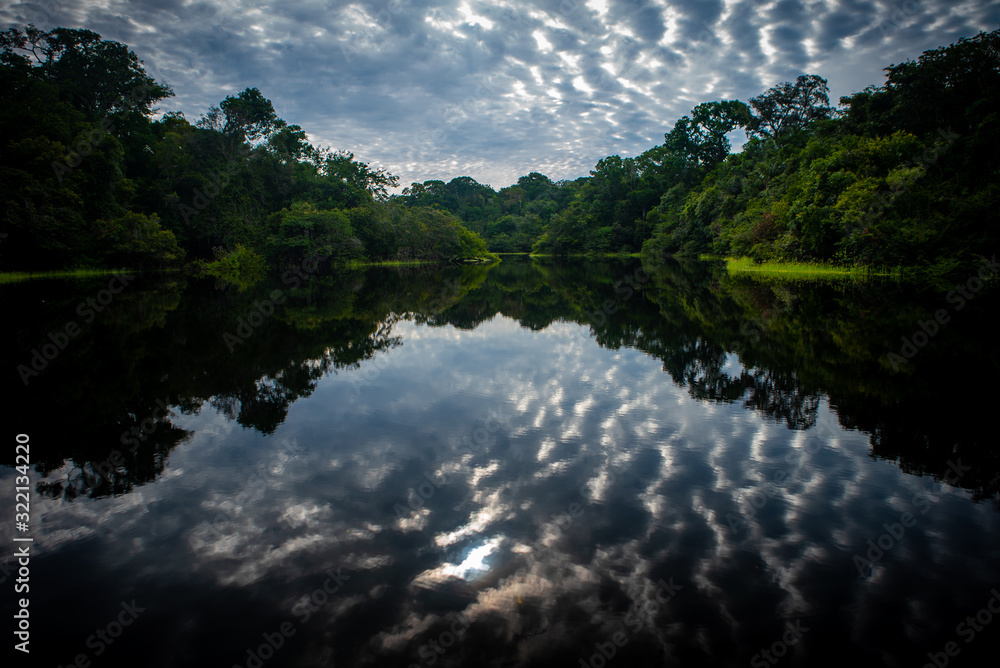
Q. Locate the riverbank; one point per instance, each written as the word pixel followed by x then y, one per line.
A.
pixel 806 270
pixel 19 276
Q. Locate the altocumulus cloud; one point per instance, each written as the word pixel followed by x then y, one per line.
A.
pixel 493 90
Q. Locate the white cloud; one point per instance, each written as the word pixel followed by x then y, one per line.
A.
pixel 379 78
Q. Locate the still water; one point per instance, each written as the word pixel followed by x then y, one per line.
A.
pixel 534 463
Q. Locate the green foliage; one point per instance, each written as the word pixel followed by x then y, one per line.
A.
pixel 249 116
pixel 89 178
pixel 905 174
pixel 701 138
pixel 342 167
pixel 510 220
pixel 69 102
pixel 303 232
pixel 805 270
pixel 878 186
pixel 137 240
pixel 19 276
pixel 242 267
pixel 100 78
pixel 956 86
pixel 425 233
pixel 790 107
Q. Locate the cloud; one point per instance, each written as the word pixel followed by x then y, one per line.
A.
pixel 494 90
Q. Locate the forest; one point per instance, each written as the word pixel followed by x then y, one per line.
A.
pixel 94 174
pixel 91 179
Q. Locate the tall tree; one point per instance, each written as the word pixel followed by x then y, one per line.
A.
pixel 789 107
pixel 342 165
pixel 99 77
pixel 701 137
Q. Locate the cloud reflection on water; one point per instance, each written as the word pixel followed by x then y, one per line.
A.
pixel 602 478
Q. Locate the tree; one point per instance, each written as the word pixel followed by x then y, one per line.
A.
pixel 342 165
pixel 136 240
pixel 73 111
pixel 305 232
pixel 535 185
pixel 957 86
pixel 290 145
pixel 789 107
pixel 701 138
pixel 249 117
pixel 99 77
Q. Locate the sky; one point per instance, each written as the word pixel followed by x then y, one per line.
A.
pixel 435 89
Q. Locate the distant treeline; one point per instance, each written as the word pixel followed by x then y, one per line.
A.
pixel 905 174
pixel 88 178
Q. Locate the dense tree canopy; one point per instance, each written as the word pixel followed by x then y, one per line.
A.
pixel 790 107
pixel 902 174
pixel 90 178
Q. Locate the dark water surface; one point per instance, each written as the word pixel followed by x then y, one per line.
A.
pixel 531 464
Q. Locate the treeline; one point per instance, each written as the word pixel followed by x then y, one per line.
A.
pixel 89 178
pixel 902 174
